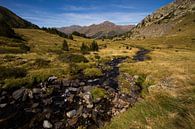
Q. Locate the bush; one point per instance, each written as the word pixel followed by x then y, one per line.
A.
pixel 74 58
pixel 97 57
pixel 74 69
pixel 65 46
pixel 98 93
pixel 24 47
pixel 92 72
pixel 7 72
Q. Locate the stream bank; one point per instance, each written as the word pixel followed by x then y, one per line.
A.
pixel 61 103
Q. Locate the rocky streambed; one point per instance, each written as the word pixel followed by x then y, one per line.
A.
pixel 61 103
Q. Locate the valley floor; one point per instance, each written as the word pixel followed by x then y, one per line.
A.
pixel 168 95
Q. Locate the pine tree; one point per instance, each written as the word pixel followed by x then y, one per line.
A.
pixel 84 48
pixel 70 37
pixel 94 46
pixel 65 46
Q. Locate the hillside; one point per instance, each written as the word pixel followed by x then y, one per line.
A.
pixel 13 20
pixel 5 30
pixel 9 20
pixel 105 29
pixel 165 19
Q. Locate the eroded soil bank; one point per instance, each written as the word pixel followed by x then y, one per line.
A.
pixel 61 103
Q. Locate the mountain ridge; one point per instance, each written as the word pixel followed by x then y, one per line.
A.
pixel 163 20
pixel 94 30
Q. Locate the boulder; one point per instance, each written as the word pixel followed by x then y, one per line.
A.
pixel 36 90
pixel 52 78
pixel 47 124
pixel 72 121
pixel 88 98
pixel 18 93
pixel 71 113
pixel 3 105
pixel 73 89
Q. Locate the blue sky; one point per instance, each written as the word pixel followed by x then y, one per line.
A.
pixel 58 13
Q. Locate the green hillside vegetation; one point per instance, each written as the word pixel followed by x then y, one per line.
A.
pixel 13 20
pixel 5 30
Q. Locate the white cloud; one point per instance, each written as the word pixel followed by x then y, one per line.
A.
pixel 78 8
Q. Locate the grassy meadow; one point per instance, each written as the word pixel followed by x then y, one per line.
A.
pixel 168 95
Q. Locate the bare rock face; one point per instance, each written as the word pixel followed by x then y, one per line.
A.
pixel 162 21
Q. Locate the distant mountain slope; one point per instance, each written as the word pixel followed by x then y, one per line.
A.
pixel 164 20
pixel 13 20
pixel 98 30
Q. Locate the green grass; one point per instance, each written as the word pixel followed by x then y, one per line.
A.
pixel 92 72
pixel 167 79
pixel 168 87
pixel 98 93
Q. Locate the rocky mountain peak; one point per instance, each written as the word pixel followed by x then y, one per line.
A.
pixel 107 23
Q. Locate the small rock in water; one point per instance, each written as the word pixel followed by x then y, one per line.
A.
pixel 82 83
pixel 3 105
pixel 36 90
pixel 71 113
pixel 90 106
pixel 73 89
pixel 35 105
pixel 47 124
pixel 18 93
pixel 52 78
pixel 58 125
pixel 3 93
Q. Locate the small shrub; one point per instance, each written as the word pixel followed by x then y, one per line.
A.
pixel 24 48
pixel 97 57
pixel 74 69
pixel 92 72
pixel 74 58
pixel 7 72
pixel 98 93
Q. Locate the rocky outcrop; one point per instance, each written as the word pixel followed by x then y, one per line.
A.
pixel 164 19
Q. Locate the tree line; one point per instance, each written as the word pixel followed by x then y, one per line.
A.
pixel 57 32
